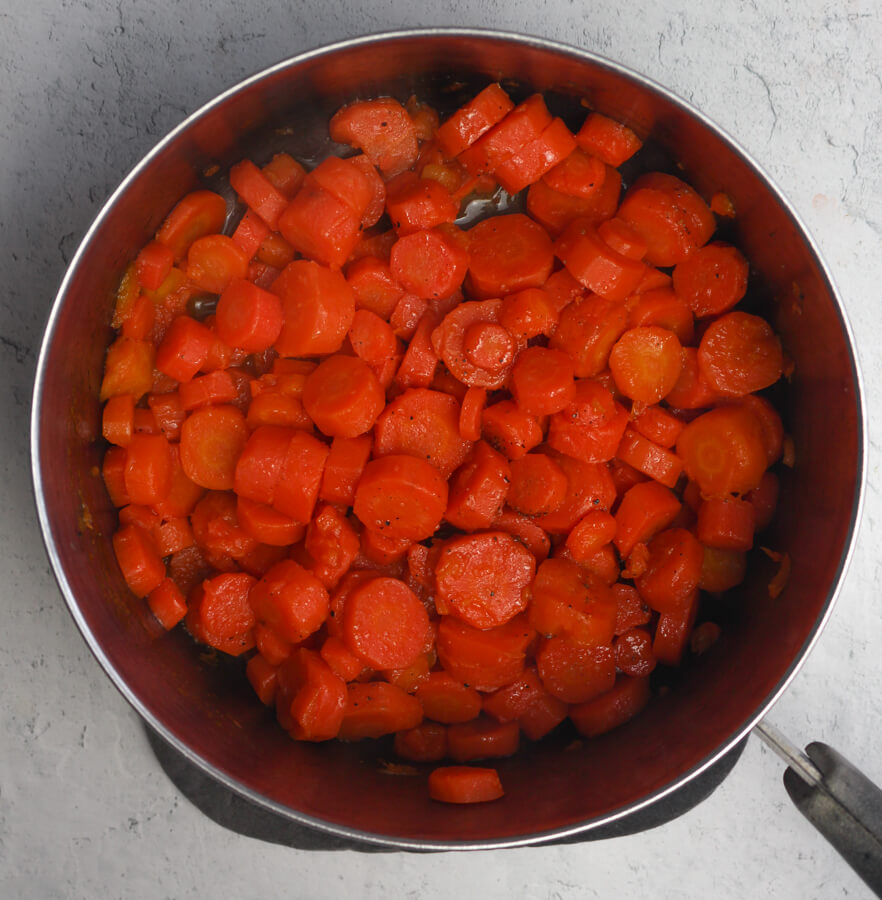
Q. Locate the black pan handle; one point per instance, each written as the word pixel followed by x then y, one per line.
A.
pixel 837 798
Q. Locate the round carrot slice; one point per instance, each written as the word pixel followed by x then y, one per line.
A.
pixel 429 263
pixel 712 280
pixel 542 381
pixel 573 672
pixel 488 346
pixel 484 579
pixel 646 363
pixel 290 600
pixel 376 708
pixel 589 487
pixel 385 624
pixel 673 571
pixel 220 615
pixel 587 331
pixel 465 784
pixel 311 698
pixel 401 496
pixel 343 397
pixel 739 354
pixel 212 439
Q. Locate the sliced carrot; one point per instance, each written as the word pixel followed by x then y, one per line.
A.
pixel 212 440
pixel 508 253
pixel 374 286
pixel 589 534
pixel 310 698
pixel 465 784
pixel 343 396
pixel 721 570
pixel 574 672
pixel 482 738
pixel 538 484
pixel 128 369
pixel 425 743
pixel 220 615
pixel 588 330
pixel 417 368
pixel 726 523
pixel 673 630
pixel 377 202
pixel 184 349
pixel 471 410
pixel 173 535
pixel 340 658
pixel 528 164
pixel 556 209
pixel 658 425
pixel 473 119
pixel 622 238
pixel 657 462
pixel 153 264
pixel 429 263
pixel 382 129
pixel 381 549
pixel 167 604
pixel 284 173
pixel 300 477
pixel 260 463
pixel 524 529
pixel 633 650
pixel 149 469
pixel 579 175
pixel 692 390
pixel 248 316
pixel 662 307
pixel 510 430
pixel 317 307
pixel 376 708
pixel 589 487
pixel 196 215
pixel 622 702
pixel 345 463
pixel 332 544
pixel 290 600
pixel 590 427
pixel 118 419
pixel 712 280
pixel 138 559
pixel 266 524
pixel 444 699
pixel 607 139
pixel 401 496
pixel 415 203
pixel 478 489
pixel 258 192
pixel 542 381
pixel 214 261
pixel 673 570
pixel 645 509
pixel 216 528
pixel 263 678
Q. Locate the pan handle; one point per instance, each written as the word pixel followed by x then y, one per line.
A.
pixel 838 799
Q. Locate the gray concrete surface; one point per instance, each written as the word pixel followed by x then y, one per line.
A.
pixel 86 88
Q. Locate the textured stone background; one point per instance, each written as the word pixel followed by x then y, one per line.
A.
pixel 87 88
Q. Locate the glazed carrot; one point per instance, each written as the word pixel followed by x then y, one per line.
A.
pixel 473 119
pixel 555 209
pixel 153 264
pixel 290 600
pixel 345 181
pixel 248 316
pixel 692 390
pixel 569 601
pixel 524 529
pixel 377 202
pixel 173 535
pixel 374 286
pixel 415 203
pixel 528 313
pixel 149 469
pixel 464 784
pixel 139 324
pixel 220 615
pixel 538 484
pixel 258 192
pixel 340 658
pixel 670 216
pixel 726 523
pixel 589 487
pixel 722 570
pixel 579 175
pixel 118 420
pixel 372 339
pixel 527 165
pixel 204 390
pixel 672 632
pixel 595 264
pixel 653 280
pixel 478 490
pixel 138 559
pixel 542 381
pixel 484 659
pixel 588 330
pixel 376 708
pixel 645 510
pixel 510 430
pixel 508 253
pixel 317 307
pixel 526 701
pixel 425 424
pixel 216 529
pixel 381 549
pixel 167 604
pixel 622 238
pixel 631 611
pixel 260 463
pixel 429 263
pixel 444 699
pixel 310 698
pixel 284 173
pixel 332 544
pixel 471 410
pixel 657 462
pixel 591 426
pixel 417 368
pixel 263 678
pixel 712 280
pixel 425 743
pixel 673 570
pixel 607 139
pixel 574 672
pixel 739 354
pixel 300 477
pixel 770 424
pixel 658 425
pixel 482 738
pixel 591 532
pixel 622 702
pixel 266 524
pixel 128 369
pixel 212 439
pixel 382 129
pixel 764 499
pixel 662 307
pixel 483 579
pixel 343 396
pixel 409 311
pixel 184 349
pixel 401 496
pixel 634 653
pixel 723 450
pixel 214 261
pixel 183 494
pixel 345 462
pixel 195 216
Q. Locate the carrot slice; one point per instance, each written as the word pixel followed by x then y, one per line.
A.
pixel 184 349
pixel 712 280
pixel 343 396
pixel 622 702
pixel 589 487
pixel 138 559
pixel 444 699
pixel 482 738
pixel 646 509
pixel 542 381
pixel 478 490
pixel 574 672
pixel 587 332
pixel 311 699
pixel 248 316
pixel 300 476
pixel 197 214
pixel 673 570
pixel 220 615
pixel 212 439
pixel 258 192
pixel 726 523
pixel 589 534
pixel 657 462
pixel 345 463
pixel 376 708
pixel 556 209
pixel 590 427
pixel 534 159
pixel 425 743
pixel 473 119
pixel 465 784
pixel 382 129
pixel 332 544
pixel 607 139
pixel 290 600
pixel 538 484
pixel 429 263
pixel 214 261
pixel 149 469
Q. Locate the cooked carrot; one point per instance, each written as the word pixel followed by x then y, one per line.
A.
pixel 622 702
pixel 692 391
pixel 377 202
pixel 726 523
pixel 429 263
pixel 332 544
pixel 510 430
pixel 153 264
pixel 214 261
pixel 425 424
pixel 645 510
pixel 478 490
pixel 524 529
pixel 482 738
pixel 622 238
pixel 138 559
pixel 344 180
pixel 673 630
pixel 409 311
pixel 662 307
pixel 267 525
pixel 118 420
pixel 204 390
pixel 345 463
pixel 425 743
pixel 538 484
pixel 173 535
pixel 542 381
pixel 183 494
pixel 483 578
pixel 587 332
pixel 721 570
pixel 631 611
pixel 258 192
pixel 590 427
pixel 212 440
pixel 376 708
pixel 589 487
pixel 284 173
pixel 658 425
pixel 290 600
pixel 184 349
pixel 589 534
pixel 712 280
pixel 220 615
pixel 416 204
pixel 149 469
pixel 569 601
pixel 139 324
pixel 382 129
pixel 372 339
pixel 381 549
pixel 607 139
pixel 300 477
pixel 263 678
pixel 528 164
pixel 555 209
pixel 593 263
pixel 528 313
pixel 248 316
pixel 634 655
pixel 167 604
pixel 508 253
pixel 657 462
pixel 574 672
pixel 374 286
pixel 260 463
pixel 216 529
pixel 739 354
pixel 465 784
pixel 317 307
pixel 343 396
pixel 764 499
pixel 724 451
pixel 195 216
pixel 128 369
pixel 444 699
pixel 473 119
pixel 417 368
pixel 471 410
pixel 673 571
pixel 402 496
pixel 340 658
pixel 310 698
